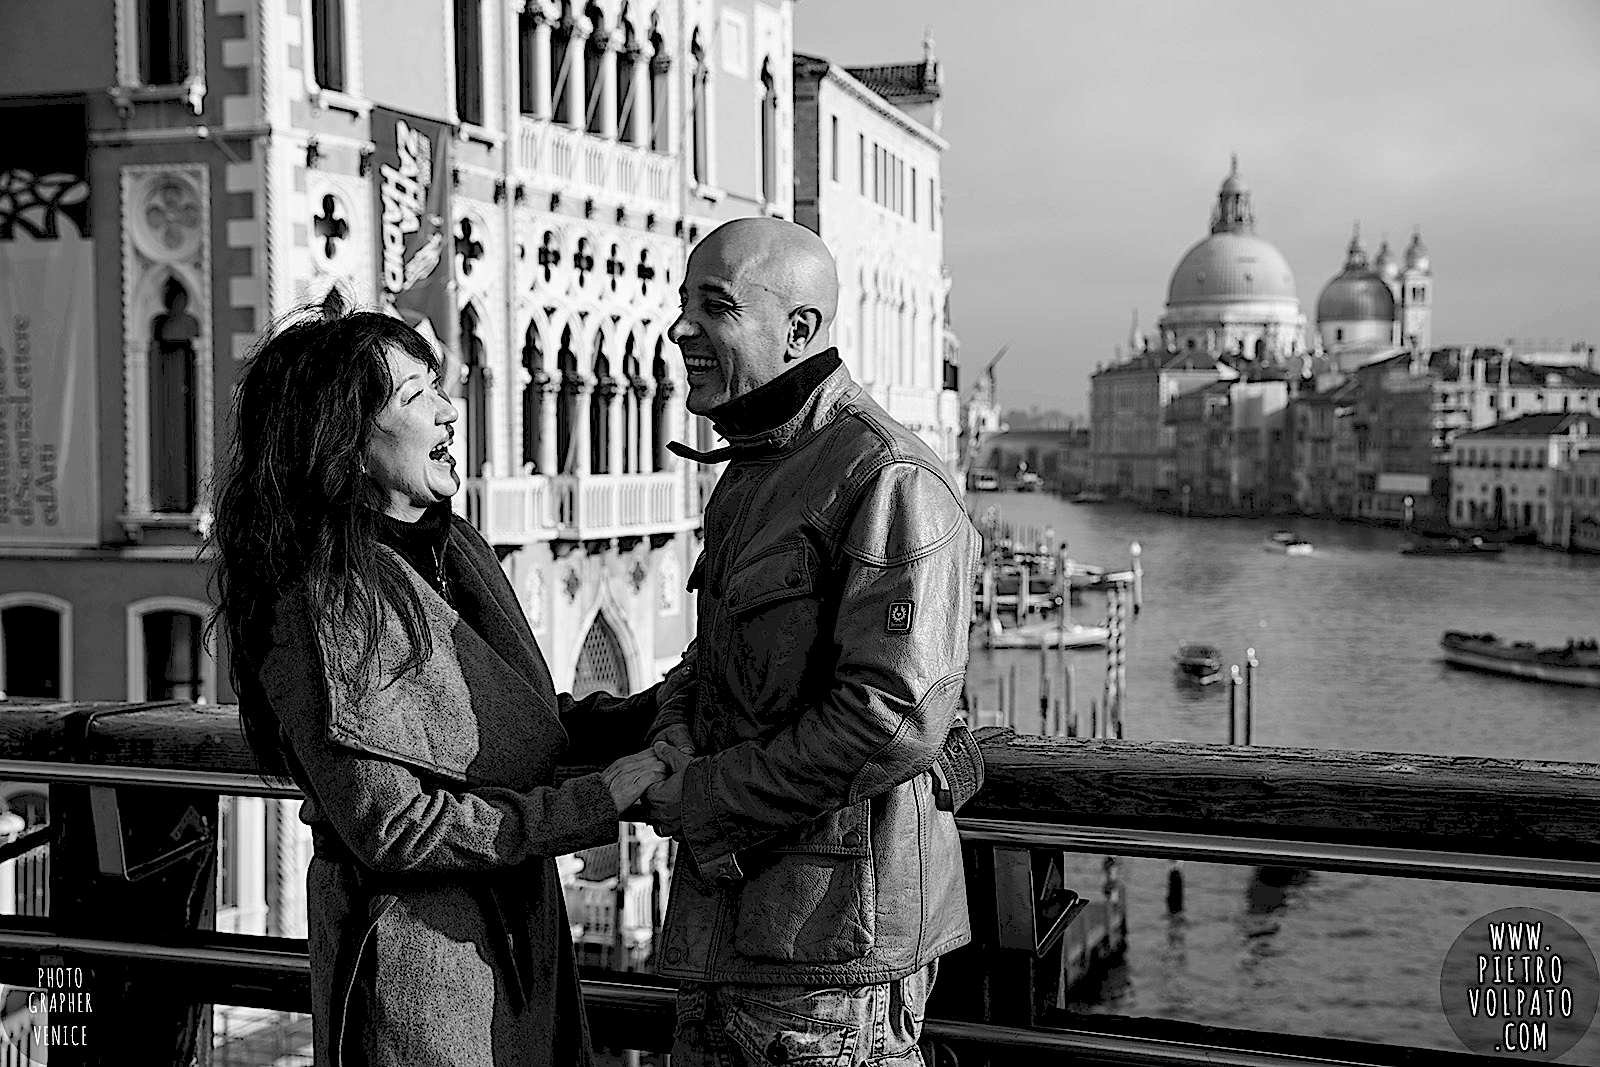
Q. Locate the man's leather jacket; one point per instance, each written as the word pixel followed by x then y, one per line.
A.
pixel 834 599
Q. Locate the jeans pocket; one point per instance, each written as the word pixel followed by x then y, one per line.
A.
pixel 795 1027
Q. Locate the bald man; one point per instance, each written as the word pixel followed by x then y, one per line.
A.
pixel 820 876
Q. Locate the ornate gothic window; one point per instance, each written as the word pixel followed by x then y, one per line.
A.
pixel 600 410
pixel 769 134
pixel 602 665
pixel 561 50
pixel 567 365
pixel 534 383
pixel 659 402
pixel 631 400
pixel 596 56
pixel 476 393
pixel 174 414
pixel 660 71
pixel 699 113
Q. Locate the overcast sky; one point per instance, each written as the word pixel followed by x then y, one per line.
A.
pixel 1088 138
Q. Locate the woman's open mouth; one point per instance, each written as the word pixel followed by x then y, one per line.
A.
pixel 442 454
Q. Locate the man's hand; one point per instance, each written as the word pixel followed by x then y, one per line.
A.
pixel 678 737
pixel 663 801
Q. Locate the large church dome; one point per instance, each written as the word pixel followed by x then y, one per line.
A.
pixel 1233 292
pixel 1228 267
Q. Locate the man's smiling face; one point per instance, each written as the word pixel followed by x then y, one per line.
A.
pixel 732 330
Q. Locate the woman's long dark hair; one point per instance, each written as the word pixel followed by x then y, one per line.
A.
pixel 295 508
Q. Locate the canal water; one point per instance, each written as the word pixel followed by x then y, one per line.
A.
pixel 1347 640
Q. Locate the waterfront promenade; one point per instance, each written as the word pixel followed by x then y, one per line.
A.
pixel 1348 644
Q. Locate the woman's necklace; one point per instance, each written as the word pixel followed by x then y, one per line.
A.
pixel 444 583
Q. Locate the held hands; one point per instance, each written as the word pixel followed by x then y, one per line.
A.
pixel 663 800
pixel 630 776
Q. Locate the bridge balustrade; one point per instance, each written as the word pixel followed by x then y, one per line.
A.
pixel 133 832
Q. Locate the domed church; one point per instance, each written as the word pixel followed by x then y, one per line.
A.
pixel 1233 292
pixel 1368 308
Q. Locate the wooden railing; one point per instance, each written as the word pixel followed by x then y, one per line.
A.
pixel 155 766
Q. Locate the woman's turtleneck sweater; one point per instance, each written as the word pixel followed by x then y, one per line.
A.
pixel 421 543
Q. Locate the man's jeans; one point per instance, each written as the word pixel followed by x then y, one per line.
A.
pixel 797 1026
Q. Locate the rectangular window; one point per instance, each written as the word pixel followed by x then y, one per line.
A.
pixel 163 41
pixel 172 655
pixel 525 63
pixel 833 149
pixel 469 61
pixel 861 156
pixel 933 206
pixel 32 646
pixel 327 43
pixel 913 194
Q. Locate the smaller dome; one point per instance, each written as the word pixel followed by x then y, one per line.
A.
pixel 1357 295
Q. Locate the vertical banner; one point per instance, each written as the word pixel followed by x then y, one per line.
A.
pixel 416 253
pixel 49 484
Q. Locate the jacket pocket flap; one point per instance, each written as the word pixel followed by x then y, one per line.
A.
pixel 839 833
pixel 780 574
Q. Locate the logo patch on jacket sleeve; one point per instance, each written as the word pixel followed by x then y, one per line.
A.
pixel 898 620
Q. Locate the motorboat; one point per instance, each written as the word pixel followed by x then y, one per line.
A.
pixel 1044 633
pixel 1289 543
pixel 1578 663
pixel 1453 546
pixel 984 481
pixel 1199 663
pixel 1029 482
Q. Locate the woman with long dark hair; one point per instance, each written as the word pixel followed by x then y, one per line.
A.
pixel 383 662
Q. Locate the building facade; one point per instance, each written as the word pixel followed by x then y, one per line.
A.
pixel 1517 474
pixel 868 181
pixel 520 180
pixel 1134 446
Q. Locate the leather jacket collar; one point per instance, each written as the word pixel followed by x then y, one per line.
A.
pixel 819 409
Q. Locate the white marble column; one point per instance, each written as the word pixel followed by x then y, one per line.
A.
pixel 606 110
pixel 644 439
pixel 614 428
pixel 639 119
pixel 540 74
pixel 578 397
pixel 549 397
pixel 249 860
pixel 577 76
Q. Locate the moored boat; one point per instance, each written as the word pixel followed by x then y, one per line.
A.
pixel 1088 498
pixel 1288 543
pixel 1576 664
pixel 1044 634
pixel 1199 663
pixel 1453 546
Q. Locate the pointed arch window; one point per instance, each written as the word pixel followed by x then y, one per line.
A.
pixel 597 55
pixel 534 384
pixel 174 403
pixel 475 389
pixel 659 401
pixel 699 113
pixel 561 42
pixel 632 423
pixel 769 133
pixel 567 364
pixel 602 664
pixel 629 99
pixel 600 428
pixel 660 71
pixel 528 67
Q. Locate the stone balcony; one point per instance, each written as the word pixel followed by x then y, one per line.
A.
pixel 587 166
pixel 579 507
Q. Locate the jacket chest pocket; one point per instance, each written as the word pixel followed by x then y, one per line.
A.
pixel 773 611
pixel 813 900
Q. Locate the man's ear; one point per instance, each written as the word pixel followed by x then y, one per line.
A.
pixel 804 323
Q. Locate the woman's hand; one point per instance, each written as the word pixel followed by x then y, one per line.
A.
pixel 630 776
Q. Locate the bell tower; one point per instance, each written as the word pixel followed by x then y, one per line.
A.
pixel 1416 296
